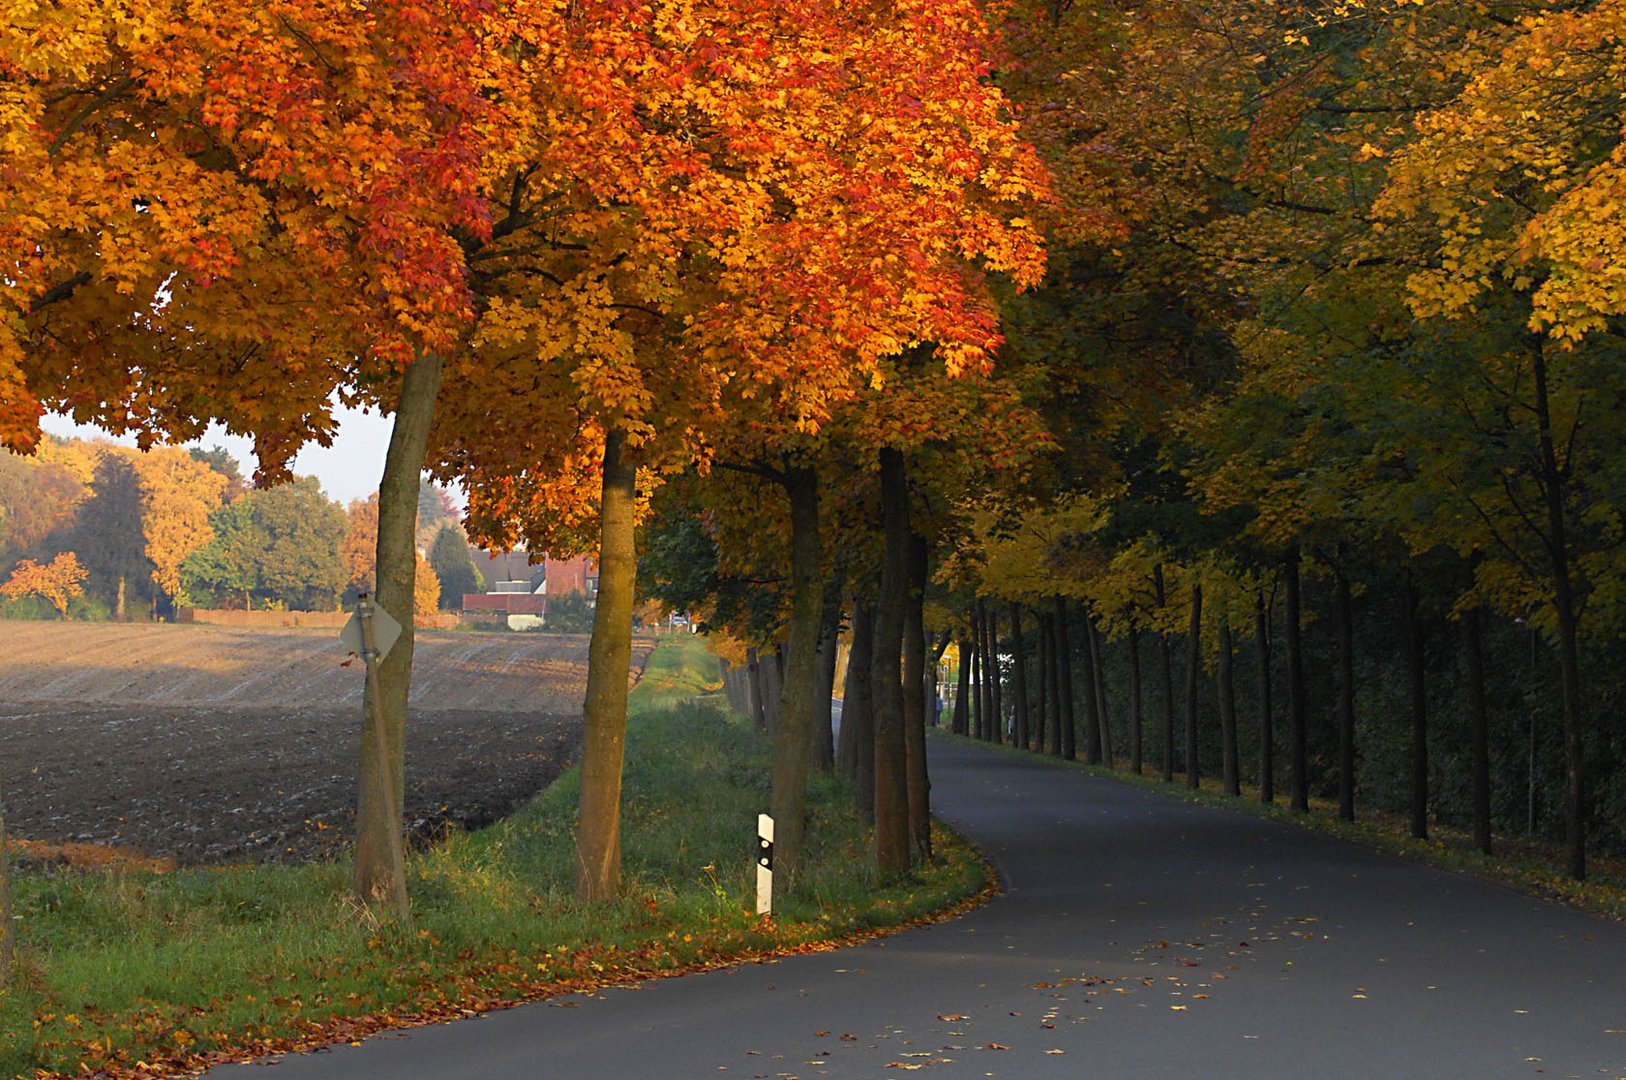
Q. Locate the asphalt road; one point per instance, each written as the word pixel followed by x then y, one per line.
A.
pixel 1137 937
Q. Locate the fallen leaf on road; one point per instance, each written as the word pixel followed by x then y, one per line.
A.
pixel 952 1018
pixel 1055 1051
pixel 996 1046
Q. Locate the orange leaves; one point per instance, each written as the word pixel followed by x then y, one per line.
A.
pixel 58 581
pixel 178 493
pixel 731 212
pixel 234 202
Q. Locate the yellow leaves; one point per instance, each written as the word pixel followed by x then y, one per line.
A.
pixel 425 590
pixel 56 582
pixel 177 495
pixel 1511 175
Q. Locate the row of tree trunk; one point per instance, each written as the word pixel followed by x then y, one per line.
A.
pixel 788 689
pixel 1016 684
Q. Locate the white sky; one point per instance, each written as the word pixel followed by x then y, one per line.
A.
pixel 349 469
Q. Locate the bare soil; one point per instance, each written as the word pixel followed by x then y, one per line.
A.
pixel 207 744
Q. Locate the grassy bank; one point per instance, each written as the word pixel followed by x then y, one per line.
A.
pixel 177 969
pixel 1528 865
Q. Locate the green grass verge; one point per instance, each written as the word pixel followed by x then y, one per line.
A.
pixel 1530 866
pixel 185 968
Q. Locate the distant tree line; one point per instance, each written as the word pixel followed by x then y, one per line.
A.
pixel 96 530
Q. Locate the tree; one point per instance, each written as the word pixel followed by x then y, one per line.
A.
pixel 37 498
pixel 108 534
pixel 280 545
pixel 454 566
pixel 302 528
pixel 427 587
pixel 220 460
pixel 1515 182
pixel 57 582
pixel 224 569
pixel 161 300
pixel 746 283
pixel 178 494
pixel 359 548
pixel 435 510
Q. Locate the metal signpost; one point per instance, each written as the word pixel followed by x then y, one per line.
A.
pixel 371 632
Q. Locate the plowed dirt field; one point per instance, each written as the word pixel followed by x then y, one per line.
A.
pixel 206 744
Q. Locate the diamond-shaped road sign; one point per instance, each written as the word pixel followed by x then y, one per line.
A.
pixel 385 632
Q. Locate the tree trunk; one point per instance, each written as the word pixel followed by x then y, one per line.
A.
pixel 914 701
pixel 1092 706
pixel 118 603
pixel 8 932
pixel 1553 485
pixel 1296 706
pixel 609 656
pixel 1346 700
pixel 1103 718
pixel 1225 684
pixel 1267 724
pixel 794 736
pixel 822 752
pixel 380 873
pixel 996 711
pixel 962 688
pixel 1194 663
pixel 1137 718
pixel 933 680
pixel 737 684
pixel 1051 680
pixel 1049 733
pixel 1479 728
pixel 855 754
pixel 753 672
pixel 1419 715
pixel 1066 718
pixel 771 665
pixel 1019 679
pixel 891 769
pixel 979 678
pixel 1165 650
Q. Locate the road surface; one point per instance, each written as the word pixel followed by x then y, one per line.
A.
pixel 1137 936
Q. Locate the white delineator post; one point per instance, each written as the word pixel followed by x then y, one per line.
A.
pixel 764 864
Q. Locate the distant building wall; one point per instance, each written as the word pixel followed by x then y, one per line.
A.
pixel 513 582
pixel 509 603
pixel 568 576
